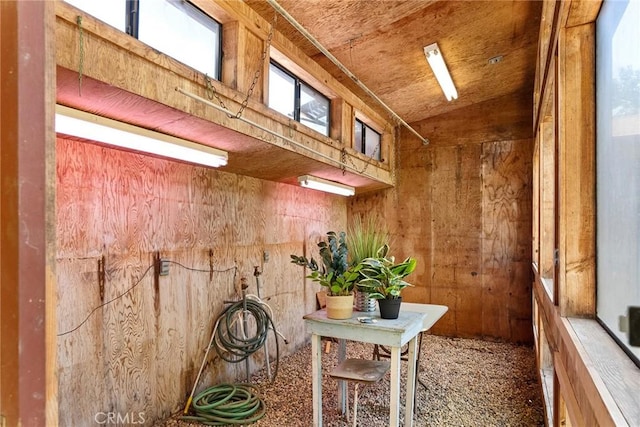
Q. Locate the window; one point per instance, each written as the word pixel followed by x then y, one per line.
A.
pixel 366 140
pixel 618 165
pixel 295 99
pixel 173 27
pixel 183 32
pixel 111 12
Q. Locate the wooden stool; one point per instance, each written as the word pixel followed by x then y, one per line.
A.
pixel 360 371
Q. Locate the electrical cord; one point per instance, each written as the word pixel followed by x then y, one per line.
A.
pixel 234 268
pixel 227 404
pixel 108 302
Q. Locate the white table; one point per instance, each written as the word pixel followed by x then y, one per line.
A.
pixel 391 333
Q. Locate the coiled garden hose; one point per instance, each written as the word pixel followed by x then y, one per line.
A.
pixel 234 346
pixel 227 404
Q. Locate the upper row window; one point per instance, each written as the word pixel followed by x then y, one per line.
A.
pixel 367 140
pixel 294 98
pixel 174 27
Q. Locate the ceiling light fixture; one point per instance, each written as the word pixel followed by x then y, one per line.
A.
pixel 436 61
pixel 309 181
pixel 101 129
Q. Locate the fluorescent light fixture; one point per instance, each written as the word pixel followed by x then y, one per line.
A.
pixel 316 183
pixel 101 129
pixel 436 61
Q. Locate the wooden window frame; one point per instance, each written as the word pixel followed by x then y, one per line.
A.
pixel 298 84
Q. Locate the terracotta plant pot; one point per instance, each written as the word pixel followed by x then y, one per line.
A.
pixel 339 307
pixel 389 308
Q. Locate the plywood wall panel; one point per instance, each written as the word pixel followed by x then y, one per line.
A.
pixel 76 209
pixel 506 218
pixel 141 352
pixel 462 208
pixel 80 360
pixel 456 218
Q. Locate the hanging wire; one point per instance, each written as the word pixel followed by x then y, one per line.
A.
pixel 81 54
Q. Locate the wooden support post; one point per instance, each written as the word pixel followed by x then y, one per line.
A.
pixel 576 156
pixel 27 212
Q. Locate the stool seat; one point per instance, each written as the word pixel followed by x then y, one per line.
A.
pixel 360 371
pixel 363 370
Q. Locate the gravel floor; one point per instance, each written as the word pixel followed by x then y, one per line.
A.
pixel 470 383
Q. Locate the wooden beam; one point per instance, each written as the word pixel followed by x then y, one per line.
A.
pixel 546 51
pixel 576 180
pixel 583 12
pixel 572 405
pixel 341 121
pixel 154 77
pixel 27 210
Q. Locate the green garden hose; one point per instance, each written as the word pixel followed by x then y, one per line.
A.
pixel 227 404
pixel 233 346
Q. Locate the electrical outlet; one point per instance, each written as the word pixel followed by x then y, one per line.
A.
pixel 634 326
pixel 265 256
pixel 164 267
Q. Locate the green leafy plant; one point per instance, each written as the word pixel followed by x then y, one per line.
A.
pixel 382 277
pixel 334 273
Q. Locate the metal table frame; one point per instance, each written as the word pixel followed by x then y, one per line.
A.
pixel 391 333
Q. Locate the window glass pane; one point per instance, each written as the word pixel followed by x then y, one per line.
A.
pixel 308 106
pixel 618 163
pixel 282 88
pixel 357 136
pixel 372 143
pixel 112 12
pixel 178 29
pixel 314 109
pixel 366 140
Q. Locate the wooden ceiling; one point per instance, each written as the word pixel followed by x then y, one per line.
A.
pixel 381 42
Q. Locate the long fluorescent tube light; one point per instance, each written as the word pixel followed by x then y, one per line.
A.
pixel 309 181
pixel 101 129
pixel 436 61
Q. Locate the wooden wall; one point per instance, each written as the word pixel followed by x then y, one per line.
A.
pixel 141 352
pixel 462 207
pixel 587 378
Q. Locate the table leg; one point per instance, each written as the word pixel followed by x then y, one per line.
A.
pixel 411 383
pixel 394 401
pixel 342 385
pixel 316 379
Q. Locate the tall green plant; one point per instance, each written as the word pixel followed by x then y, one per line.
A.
pixel 365 237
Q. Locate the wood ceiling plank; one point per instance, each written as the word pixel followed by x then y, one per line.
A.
pixel 381 43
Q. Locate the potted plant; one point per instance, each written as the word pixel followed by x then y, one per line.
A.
pixel 364 238
pixel 384 280
pixel 335 274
